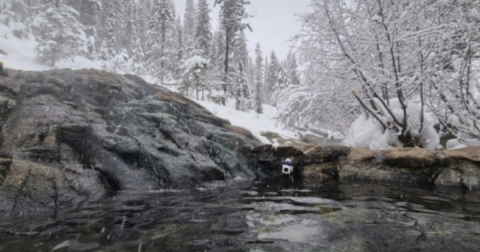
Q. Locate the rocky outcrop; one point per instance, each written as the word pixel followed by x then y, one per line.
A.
pixel 459 168
pixel 69 136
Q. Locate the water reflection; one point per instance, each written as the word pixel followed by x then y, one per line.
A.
pixel 275 215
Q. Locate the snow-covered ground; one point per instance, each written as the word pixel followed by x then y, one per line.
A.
pixel 250 120
pixel 20 53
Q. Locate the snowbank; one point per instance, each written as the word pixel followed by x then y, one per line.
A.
pixel 367 132
pixel 19 53
pixel 250 120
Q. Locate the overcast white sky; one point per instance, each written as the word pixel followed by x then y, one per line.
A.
pixel 273 23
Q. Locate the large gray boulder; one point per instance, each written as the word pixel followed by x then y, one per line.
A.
pixel 69 136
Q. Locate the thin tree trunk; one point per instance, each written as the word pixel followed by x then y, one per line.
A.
pixel 196 85
pixel 162 65
pixel 227 51
pixel 52 58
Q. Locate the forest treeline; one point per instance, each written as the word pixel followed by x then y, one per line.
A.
pixel 149 37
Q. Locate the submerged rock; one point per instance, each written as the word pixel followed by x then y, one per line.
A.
pixel 69 136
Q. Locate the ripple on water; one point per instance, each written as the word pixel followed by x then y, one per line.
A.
pixel 268 216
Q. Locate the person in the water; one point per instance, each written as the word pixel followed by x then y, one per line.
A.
pixel 287 167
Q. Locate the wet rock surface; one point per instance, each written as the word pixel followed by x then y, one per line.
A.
pixel 70 136
pixel 459 168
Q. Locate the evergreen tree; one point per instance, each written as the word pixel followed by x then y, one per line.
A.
pixel 160 39
pixel 89 11
pixel 12 13
pixel 194 70
pixel 258 80
pixel 272 72
pixel 217 56
pixel 251 73
pixel 178 45
pixel 291 68
pixel 129 32
pixel 171 47
pixel 117 14
pixel 111 24
pixel 109 48
pixel 189 28
pixel 238 71
pixel 137 51
pixel 242 91
pixel 232 12
pixel 59 33
pixel 137 58
pixel 283 80
pixel 143 20
pixel 7 14
pixel 240 51
pixel 265 68
pixel 203 33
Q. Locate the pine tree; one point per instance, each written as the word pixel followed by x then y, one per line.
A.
pixel 258 80
pixel 137 58
pixel 283 80
pixel 291 68
pixel 171 46
pixel 160 39
pixel 109 48
pixel 178 45
pixel 7 14
pixel 137 51
pixel 203 32
pixel 189 28
pixel 271 74
pixel 217 56
pixel 59 33
pixel 89 12
pixel 143 20
pixel 251 73
pixel 266 66
pixel 240 50
pixel 12 13
pixel 130 29
pixel 242 91
pixel 111 24
pixel 117 14
pixel 238 71
pixel 194 71
pixel 232 12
